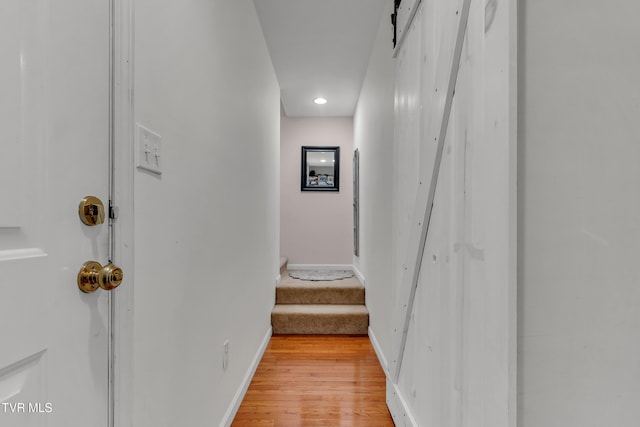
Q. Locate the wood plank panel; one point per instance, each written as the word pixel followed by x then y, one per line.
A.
pixel 438 110
pixel 316 381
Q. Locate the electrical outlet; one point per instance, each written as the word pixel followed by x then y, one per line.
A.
pixel 225 355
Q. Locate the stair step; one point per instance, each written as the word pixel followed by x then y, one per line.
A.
pixel 283 265
pixel 325 293
pixel 295 291
pixel 320 319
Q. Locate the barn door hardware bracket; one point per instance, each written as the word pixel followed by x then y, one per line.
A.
pixel 394 20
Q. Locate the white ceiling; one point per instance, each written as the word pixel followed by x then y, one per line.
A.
pixel 320 48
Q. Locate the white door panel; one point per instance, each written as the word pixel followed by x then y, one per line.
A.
pixel 457 368
pixel 54 121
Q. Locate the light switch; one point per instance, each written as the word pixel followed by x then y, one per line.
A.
pixel 149 150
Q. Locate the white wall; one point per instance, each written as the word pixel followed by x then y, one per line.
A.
pixel 207 231
pixel 579 213
pixel 316 227
pixel 373 135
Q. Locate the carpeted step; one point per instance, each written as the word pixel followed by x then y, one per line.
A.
pixel 320 319
pixel 320 293
pixel 283 265
pixel 296 291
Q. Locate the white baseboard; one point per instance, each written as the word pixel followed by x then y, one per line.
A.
pixel 376 346
pixel 320 267
pixel 397 404
pixel 242 390
pixel 358 273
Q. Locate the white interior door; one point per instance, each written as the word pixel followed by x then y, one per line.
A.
pixel 54 136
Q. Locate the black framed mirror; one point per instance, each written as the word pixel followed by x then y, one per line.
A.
pixel 320 169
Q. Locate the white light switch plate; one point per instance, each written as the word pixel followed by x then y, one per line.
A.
pixel 149 150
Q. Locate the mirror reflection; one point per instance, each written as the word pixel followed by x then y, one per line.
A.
pixel 320 169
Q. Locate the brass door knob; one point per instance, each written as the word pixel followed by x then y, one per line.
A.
pixel 93 275
pixel 110 277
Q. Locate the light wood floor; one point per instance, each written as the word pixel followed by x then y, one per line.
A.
pixel 322 381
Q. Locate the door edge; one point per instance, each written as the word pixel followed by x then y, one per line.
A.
pixel 121 412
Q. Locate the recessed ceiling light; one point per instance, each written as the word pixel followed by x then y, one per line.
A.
pixel 323 160
pixel 320 101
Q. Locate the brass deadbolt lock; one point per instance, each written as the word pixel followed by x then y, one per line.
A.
pixel 93 275
pixel 91 211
